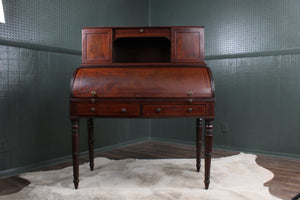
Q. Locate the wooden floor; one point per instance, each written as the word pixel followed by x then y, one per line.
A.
pixel 285 184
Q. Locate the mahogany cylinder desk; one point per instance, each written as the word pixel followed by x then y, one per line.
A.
pixel 143 72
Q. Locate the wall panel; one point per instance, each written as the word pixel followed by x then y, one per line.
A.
pixel 40 47
pixel 252 48
pixel 58 23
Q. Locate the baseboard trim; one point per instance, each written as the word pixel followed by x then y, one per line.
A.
pixel 172 141
pixel 244 150
pixel 38 165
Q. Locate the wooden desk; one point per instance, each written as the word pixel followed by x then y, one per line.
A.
pixel 144 73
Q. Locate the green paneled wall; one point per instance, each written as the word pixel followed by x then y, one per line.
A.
pixel 235 26
pixel 39 49
pixel 252 48
pixel 34 111
pixel 34 106
pixel 259 101
pixel 58 23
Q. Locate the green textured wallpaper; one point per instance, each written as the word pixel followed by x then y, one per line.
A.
pixel 58 23
pixel 259 100
pixel 235 26
pixel 253 49
pixel 40 47
pixel 34 109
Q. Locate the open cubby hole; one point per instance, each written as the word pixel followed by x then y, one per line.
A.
pixel 142 50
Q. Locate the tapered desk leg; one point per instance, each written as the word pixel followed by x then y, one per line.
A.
pixel 198 142
pixel 75 151
pixel 208 148
pixel 90 125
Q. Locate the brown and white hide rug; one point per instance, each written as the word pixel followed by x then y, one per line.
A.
pixel 234 178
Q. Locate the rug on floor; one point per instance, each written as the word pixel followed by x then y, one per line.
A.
pixel 234 178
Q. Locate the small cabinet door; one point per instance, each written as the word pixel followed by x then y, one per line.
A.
pixel 96 46
pixel 188 44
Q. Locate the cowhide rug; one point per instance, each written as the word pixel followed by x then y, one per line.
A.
pixel 234 178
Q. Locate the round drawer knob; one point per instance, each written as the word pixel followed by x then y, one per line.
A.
pixel 190 93
pixel 93 93
pixel 123 110
pixel 158 110
pixel 93 100
pixel 141 30
pixel 93 109
pixel 190 110
pixel 190 100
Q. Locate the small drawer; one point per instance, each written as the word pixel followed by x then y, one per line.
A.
pixel 173 110
pixel 141 32
pixel 105 109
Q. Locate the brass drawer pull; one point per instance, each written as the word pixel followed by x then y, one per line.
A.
pixel 190 110
pixel 123 110
pixel 190 93
pixel 93 93
pixel 93 109
pixel 190 100
pixel 158 110
pixel 141 30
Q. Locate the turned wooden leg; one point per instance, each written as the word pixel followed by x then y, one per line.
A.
pixel 198 142
pixel 90 125
pixel 208 147
pixel 75 151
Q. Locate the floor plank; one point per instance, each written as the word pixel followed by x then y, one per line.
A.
pixel 285 184
pixel 286 181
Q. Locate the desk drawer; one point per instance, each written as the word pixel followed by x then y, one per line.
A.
pixel 105 109
pixel 173 110
pixel 141 32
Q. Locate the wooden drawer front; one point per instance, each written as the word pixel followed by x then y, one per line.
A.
pixel 105 109
pixel 173 110
pixel 141 32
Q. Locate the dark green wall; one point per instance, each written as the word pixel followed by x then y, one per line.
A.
pixel 58 23
pixel 235 26
pixel 253 49
pixel 251 46
pixel 39 49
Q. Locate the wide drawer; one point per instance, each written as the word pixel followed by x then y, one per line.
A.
pixel 105 109
pixel 141 32
pixel 173 110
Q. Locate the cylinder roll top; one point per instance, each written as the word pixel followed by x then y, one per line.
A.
pixel 152 82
